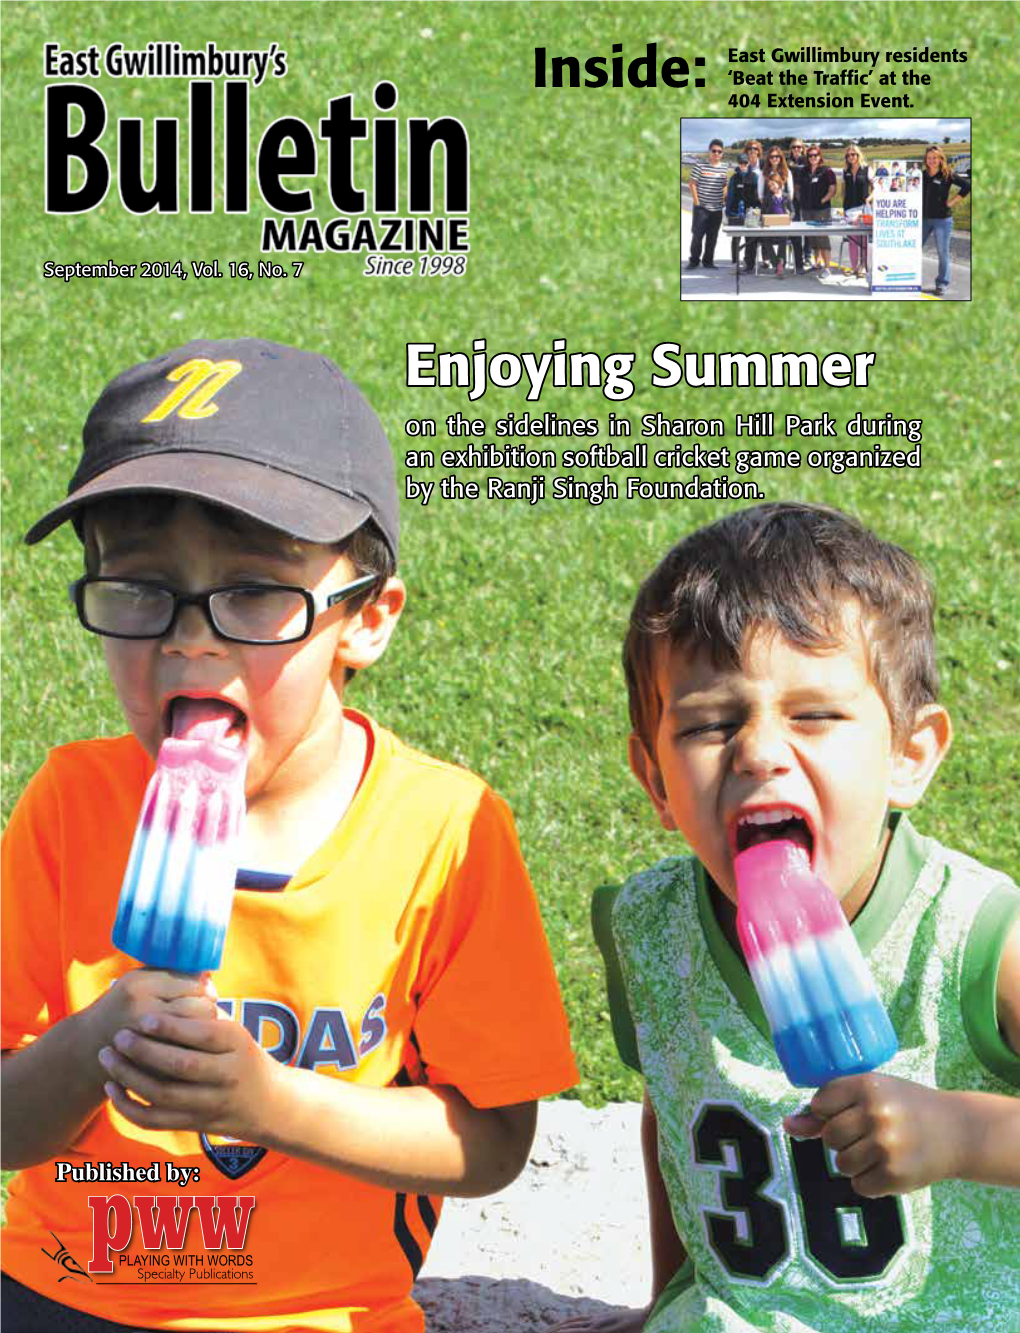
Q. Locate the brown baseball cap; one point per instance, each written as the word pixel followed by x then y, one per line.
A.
pixel 272 432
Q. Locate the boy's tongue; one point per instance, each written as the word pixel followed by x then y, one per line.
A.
pixel 792 830
pixel 203 719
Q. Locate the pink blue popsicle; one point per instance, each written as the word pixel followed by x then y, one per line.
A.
pixel 818 995
pixel 178 888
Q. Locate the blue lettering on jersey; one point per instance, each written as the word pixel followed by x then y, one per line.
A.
pixel 328 1041
pixel 265 1018
pixel 373 1025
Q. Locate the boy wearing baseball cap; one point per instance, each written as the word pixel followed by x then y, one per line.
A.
pixel 386 1012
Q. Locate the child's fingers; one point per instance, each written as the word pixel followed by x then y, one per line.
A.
pixel 142 1083
pixel 845 1129
pixel 192 1006
pixel 143 1090
pixel 136 1057
pixel 803 1125
pixel 859 1158
pixel 147 1117
pixel 841 1093
pixel 201 1033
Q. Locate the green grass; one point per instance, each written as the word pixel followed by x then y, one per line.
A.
pixel 508 658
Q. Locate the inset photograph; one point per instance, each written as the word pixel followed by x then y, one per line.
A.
pixel 825 210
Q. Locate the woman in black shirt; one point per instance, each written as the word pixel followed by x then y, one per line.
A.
pixel 818 185
pixel 936 183
pixel 856 191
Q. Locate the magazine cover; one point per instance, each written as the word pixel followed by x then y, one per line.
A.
pixel 508 508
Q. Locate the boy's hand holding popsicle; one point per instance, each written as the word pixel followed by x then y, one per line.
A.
pixel 890 1135
pixel 146 993
pixel 192 1070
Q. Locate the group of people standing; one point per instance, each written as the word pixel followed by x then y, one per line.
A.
pixel 802 188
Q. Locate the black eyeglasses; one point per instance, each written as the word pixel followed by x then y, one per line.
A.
pixel 715 150
pixel 257 613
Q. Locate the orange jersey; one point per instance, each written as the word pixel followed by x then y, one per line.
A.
pixel 407 948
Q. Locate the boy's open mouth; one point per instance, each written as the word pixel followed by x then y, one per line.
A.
pixel 783 822
pixel 206 718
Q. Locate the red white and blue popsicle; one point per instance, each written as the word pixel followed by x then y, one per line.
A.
pixel 178 888
pixel 818 995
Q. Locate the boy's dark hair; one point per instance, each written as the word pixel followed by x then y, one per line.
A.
pixel 790 567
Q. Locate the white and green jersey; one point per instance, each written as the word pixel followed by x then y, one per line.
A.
pixel 778 1240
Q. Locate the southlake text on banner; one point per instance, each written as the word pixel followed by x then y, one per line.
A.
pixel 896 262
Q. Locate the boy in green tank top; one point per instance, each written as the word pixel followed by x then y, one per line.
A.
pixel 781 671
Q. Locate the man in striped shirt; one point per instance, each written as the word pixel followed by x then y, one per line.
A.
pixel 708 183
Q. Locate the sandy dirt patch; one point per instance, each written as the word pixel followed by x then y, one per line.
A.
pixel 569 1236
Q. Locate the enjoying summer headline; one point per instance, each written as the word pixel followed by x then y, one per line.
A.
pixel 480 369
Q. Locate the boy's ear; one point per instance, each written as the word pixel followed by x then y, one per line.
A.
pixel 648 773
pixel 365 634
pixel 919 755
